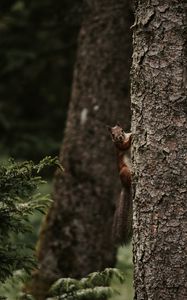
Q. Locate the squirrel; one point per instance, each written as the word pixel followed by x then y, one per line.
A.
pixel 122 223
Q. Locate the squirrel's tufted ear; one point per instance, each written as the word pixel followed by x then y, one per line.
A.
pixel 109 128
pixel 118 124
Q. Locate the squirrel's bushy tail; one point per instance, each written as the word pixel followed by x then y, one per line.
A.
pixel 122 224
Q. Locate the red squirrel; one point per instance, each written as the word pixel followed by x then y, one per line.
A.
pixel 122 224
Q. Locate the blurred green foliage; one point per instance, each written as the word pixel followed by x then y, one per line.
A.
pixel 13 285
pixel 123 291
pixel 95 286
pixel 38 40
pixel 19 198
pixel 125 264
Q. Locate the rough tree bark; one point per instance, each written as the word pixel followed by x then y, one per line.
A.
pixel 158 125
pixel 76 239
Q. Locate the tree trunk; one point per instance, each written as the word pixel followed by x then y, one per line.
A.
pixel 76 238
pixel 158 126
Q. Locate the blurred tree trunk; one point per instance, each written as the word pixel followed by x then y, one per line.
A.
pixel 158 125
pixel 76 237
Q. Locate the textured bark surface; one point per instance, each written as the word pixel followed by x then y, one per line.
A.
pixel 159 127
pixel 76 238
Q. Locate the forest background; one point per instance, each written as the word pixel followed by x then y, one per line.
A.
pixel 38 50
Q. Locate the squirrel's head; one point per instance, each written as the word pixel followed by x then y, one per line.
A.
pixel 119 137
